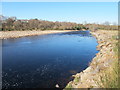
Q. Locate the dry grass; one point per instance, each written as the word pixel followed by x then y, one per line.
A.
pixel 109 77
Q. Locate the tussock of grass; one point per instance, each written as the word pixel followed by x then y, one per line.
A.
pixel 69 86
pixel 109 78
pixel 76 79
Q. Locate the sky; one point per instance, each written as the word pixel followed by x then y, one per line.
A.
pixel 60 0
pixel 78 12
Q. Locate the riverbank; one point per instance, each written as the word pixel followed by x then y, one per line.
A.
pixel 17 34
pixel 103 69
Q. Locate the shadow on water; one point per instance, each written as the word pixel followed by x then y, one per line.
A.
pixel 46 60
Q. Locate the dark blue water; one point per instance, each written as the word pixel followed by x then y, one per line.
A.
pixel 46 60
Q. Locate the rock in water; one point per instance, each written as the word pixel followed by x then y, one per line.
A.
pixel 57 86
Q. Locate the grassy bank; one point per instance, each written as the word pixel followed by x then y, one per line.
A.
pixel 109 76
pixel 103 70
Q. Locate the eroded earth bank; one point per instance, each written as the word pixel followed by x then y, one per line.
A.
pixel 103 69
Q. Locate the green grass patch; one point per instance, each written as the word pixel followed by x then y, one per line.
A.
pixel 69 86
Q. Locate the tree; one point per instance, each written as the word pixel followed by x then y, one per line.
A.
pixel 18 25
pixel 106 23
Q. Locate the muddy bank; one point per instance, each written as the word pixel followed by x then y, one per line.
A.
pixel 91 76
pixel 17 34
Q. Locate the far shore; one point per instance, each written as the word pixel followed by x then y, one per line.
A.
pixel 18 34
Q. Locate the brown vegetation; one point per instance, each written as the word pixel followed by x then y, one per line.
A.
pixel 13 24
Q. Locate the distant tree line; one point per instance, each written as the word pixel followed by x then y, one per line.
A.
pixel 13 24
pixel 101 26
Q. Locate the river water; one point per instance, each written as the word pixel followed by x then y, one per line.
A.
pixel 46 60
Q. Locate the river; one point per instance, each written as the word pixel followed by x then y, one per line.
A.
pixel 46 60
